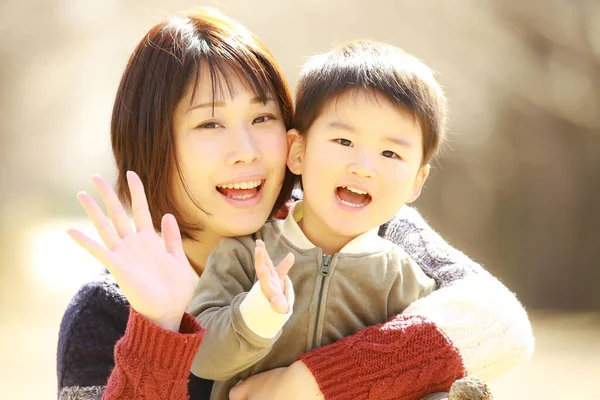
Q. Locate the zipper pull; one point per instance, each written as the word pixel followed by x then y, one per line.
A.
pixel 325 269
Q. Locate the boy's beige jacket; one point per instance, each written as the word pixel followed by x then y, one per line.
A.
pixel 368 281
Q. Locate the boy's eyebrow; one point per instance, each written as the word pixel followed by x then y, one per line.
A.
pixel 254 100
pixel 341 125
pixel 399 141
pixel 394 139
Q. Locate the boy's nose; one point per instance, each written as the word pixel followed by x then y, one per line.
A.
pixel 362 167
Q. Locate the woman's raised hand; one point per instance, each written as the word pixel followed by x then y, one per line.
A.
pixel 153 273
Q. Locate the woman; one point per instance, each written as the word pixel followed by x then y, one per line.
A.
pixel 201 115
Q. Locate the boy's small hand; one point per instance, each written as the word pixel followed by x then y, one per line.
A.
pixel 273 280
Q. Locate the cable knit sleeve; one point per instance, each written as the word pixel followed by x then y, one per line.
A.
pixel 153 363
pixel 98 329
pixel 471 325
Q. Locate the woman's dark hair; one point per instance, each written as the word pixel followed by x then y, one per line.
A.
pixel 164 66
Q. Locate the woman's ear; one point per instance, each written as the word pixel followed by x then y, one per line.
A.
pixel 295 151
pixel 418 183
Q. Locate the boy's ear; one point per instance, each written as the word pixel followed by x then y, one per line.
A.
pixel 296 151
pixel 418 183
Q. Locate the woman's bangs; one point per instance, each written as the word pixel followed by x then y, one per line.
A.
pixel 230 75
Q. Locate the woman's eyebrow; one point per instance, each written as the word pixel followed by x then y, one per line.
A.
pixel 264 100
pixel 254 100
pixel 210 104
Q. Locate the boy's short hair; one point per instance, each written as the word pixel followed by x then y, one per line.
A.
pixel 385 70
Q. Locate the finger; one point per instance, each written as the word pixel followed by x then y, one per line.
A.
pixel 95 249
pixel 139 202
pixel 267 259
pixel 262 274
pixel 259 255
pixel 285 265
pixel 115 209
pixel 264 279
pixel 101 223
pixel 172 235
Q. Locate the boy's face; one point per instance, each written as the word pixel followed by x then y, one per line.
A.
pixel 360 163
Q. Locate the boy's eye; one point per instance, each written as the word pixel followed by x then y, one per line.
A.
pixel 263 118
pixel 389 154
pixel 344 142
pixel 209 125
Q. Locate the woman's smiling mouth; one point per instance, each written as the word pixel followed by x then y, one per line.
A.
pixel 241 190
pixel 242 193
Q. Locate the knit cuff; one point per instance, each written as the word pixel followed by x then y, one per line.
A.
pixel 159 348
pixel 406 358
pixel 258 314
pixel 483 320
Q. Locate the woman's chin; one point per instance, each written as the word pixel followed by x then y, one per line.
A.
pixel 246 223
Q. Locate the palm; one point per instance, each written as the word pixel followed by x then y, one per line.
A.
pixel 275 282
pixel 153 272
pixel 156 283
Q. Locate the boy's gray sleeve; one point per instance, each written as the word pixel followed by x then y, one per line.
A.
pixel 229 345
pixel 409 286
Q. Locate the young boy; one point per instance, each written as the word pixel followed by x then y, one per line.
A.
pixel 369 118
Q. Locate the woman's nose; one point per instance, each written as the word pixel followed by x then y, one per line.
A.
pixel 244 149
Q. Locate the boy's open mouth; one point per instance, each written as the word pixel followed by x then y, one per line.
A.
pixel 241 190
pixel 352 197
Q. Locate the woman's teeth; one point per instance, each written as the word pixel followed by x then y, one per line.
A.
pixel 241 197
pixel 241 185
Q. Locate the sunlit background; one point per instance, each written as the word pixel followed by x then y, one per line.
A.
pixel 519 190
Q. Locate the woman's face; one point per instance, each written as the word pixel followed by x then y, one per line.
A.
pixel 232 157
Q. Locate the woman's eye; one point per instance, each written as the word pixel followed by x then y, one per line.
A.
pixel 262 118
pixel 344 142
pixel 389 154
pixel 209 125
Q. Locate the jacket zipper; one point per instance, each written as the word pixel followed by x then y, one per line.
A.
pixel 324 271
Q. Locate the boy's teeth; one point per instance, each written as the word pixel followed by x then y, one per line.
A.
pixel 350 204
pixel 352 197
pixel 241 185
pixel 355 190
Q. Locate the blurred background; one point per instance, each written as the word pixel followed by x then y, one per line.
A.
pixel 519 190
